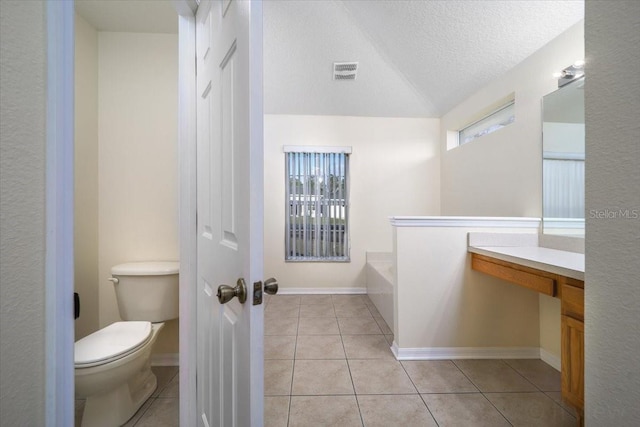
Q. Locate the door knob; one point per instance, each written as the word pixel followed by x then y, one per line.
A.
pixel 271 286
pixel 226 293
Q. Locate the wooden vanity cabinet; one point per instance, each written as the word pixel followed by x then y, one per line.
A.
pixel 572 346
pixel 571 294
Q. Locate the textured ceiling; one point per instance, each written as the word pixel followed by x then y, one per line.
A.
pixel 135 16
pixel 416 58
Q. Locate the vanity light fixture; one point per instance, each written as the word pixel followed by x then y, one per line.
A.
pixel 571 73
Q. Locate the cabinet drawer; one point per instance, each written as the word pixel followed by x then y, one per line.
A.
pixel 573 301
pixel 532 281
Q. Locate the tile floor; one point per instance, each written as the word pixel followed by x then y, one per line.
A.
pixel 328 363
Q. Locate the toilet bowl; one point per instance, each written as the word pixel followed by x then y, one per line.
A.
pixel 113 365
pixel 115 385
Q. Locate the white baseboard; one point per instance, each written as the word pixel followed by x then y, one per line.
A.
pixel 550 359
pixel 165 359
pixel 437 353
pixel 316 291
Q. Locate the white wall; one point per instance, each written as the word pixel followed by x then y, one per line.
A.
pixel 500 174
pixel 394 170
pixel 612 291
pixel 138 162
pixel 22 212
pixel 441 303
pixel 86 177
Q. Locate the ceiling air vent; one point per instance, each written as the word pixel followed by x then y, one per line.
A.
pixel 345 70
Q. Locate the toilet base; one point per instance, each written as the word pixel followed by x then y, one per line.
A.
pixel 116 407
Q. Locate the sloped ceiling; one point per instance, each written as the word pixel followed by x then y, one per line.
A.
pixel 416 58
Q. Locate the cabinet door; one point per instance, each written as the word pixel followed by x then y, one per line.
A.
pixel 573 361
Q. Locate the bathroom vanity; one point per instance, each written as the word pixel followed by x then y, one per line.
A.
pixel 556 273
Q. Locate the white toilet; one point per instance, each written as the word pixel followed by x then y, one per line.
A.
pixel 113 365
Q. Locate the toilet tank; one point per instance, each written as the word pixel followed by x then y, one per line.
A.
pixel 147 290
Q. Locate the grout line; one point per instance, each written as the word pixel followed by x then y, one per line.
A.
pixel 522 375
pixel 496 408
pixel 350 374
pixel 428 409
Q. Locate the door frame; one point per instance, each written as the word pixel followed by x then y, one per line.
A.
pixel 59 331
pixel 187 99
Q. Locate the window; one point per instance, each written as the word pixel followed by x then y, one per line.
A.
pixel 503 116
pixel 317 204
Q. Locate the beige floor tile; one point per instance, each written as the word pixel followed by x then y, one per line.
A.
pixel 317 310
pixel 373 310
pixel 321 377
pixel 531 409
pixel 349 299
pixel 383 325
pixel 469 409
pixel 323 411
pixel 557 397
pixel 380 377
pixel 367 347
pixel 319 347
pixel 280 311
pixel 138 415
pixel 316 299
pixel 358 326
pixel 350 304
pixel 494 376
pixel 394 410
pixel 542 375
pixel 164 375
pixel 438 376
pixel 283 299
pixel 389 339
pixel 276 411
pixel 353 311
pixel 172 389
pixel 277 377
pixel 281 326
pixel 318 326
pixel 279 346
pixel 163 412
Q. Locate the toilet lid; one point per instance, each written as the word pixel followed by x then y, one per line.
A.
pixel 114 340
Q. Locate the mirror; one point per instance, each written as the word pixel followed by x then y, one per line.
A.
pixel 563 141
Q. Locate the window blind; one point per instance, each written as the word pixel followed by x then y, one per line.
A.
pixel 317 206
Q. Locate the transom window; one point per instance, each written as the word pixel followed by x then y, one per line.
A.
pixel 496 120
pixel 317 203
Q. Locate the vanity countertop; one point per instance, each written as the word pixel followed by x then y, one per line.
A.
pixel 569 264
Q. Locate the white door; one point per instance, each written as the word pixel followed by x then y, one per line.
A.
pixel 229 211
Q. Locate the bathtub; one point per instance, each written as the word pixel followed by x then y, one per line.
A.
pixel 380 276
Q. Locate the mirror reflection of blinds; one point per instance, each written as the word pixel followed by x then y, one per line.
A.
pixel 317 206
